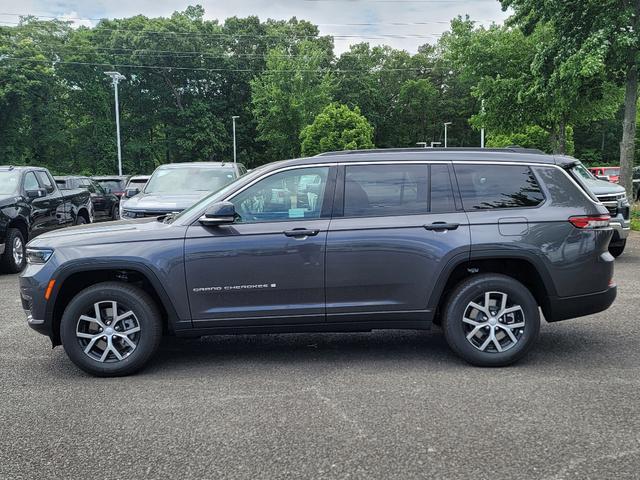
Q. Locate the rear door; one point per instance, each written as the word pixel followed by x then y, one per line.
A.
pixel 51 206
pixel 395 228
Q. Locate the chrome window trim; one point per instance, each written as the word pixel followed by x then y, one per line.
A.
pixel 195 217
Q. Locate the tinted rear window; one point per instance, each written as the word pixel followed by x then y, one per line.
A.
pixel 497 186
pixel 377 190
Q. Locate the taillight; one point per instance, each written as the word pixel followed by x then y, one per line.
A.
pixel 590 222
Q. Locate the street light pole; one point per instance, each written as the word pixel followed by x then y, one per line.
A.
pixel 115 79
pixel 235 158
pixel 445 132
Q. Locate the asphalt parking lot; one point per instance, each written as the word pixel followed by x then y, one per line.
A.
pixel 389 404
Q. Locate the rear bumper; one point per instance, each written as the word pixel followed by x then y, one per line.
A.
pixel 563 308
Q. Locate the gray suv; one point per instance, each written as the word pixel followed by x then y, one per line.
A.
pixel 477 241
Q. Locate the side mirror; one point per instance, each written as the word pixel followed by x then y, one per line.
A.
pixel 131 192
pixel 220 213
pixel 35 193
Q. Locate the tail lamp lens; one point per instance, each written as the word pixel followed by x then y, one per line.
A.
pixel 598 221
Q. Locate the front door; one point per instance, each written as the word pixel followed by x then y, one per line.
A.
pixel 397 230
pixel 269 266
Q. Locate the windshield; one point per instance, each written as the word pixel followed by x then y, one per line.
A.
pixel 612 171
pixel 583 172
pixel 9 182
pixel 113 185
pixel 222 193
pixel 189 180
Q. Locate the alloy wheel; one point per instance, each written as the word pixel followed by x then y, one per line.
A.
pixel 18 250
pixel 493 323
pixel 108 332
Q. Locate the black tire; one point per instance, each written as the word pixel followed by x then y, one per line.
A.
pixel 147 316
pixel 115 212
pixel 8 263
pixel 617 250
pixel 456 330
pixel 80 220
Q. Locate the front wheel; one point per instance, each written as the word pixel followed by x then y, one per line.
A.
pixel 14 258
pixel 111 329
pixel 115 212
pixel 491 320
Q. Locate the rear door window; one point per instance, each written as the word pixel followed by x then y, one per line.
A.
pixel 379 190
pixel 498 186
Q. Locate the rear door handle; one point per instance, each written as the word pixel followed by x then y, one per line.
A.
pixel 441 226
pixel 301 232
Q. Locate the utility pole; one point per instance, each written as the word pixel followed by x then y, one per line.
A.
pixel 445 132
pixel 115 79
pixel 235 158
pixel 482 130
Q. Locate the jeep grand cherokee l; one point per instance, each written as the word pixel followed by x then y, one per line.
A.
pixel 477 241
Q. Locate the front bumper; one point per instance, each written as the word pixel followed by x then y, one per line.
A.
pixel 621 228
pixel 563 308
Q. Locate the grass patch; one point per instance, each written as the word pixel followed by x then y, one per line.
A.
pixel 635 218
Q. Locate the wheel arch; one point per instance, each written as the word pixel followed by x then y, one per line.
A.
pixel 22 225
pixel 523 267
pixel 73 279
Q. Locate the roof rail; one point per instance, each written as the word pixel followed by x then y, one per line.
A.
pixel 438 149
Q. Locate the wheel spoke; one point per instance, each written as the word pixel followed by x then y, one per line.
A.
pixel 506 311
pixel 91 344
pixel 128 341
pixel 92 320
pixel 123 316
pixel 486 343
pixel 474 332
pixel 496 342
pixel 510 333
pixel 131 330
pixel 503 305
pixel 90 336
pixel 513 325
pixel 471 322
pixel 116 352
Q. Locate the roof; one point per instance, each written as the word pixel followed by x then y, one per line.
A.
pixel 67 177
pixel 197 165
pixel 20 168
pixel 109 177
pixel 513 154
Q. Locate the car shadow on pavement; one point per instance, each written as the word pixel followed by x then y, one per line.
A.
pixel 393 347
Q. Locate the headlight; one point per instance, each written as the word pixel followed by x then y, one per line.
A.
pixel 131 214
pixel 38 256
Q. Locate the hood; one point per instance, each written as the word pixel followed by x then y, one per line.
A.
pixel 9 200
pixel 148 229
pixel 163 202
pixel 602 187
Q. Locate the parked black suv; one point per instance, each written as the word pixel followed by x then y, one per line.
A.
pixel 477 241
pixel 106 205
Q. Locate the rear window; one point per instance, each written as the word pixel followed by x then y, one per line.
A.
pixel 497 186
pixel 112 185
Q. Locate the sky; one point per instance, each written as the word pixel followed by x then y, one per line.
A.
pixel 422 20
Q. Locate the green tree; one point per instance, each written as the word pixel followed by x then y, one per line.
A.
pixel 593 39
pixel 288 95
pixel 336 128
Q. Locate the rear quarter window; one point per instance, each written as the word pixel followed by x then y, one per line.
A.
pixel 484 187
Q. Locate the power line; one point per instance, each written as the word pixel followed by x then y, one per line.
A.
pixel 206 69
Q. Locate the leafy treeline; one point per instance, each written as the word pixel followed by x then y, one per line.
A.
pixel 186 78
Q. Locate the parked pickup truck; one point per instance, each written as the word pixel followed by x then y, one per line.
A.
pixel 31 204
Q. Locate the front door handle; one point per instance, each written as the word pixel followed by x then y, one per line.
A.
pixel 301 232
pixel 441 226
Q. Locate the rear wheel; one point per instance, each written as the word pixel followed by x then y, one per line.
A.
pixel 14 258
pixel 617 250
pixel 111 329
pixel 491 320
